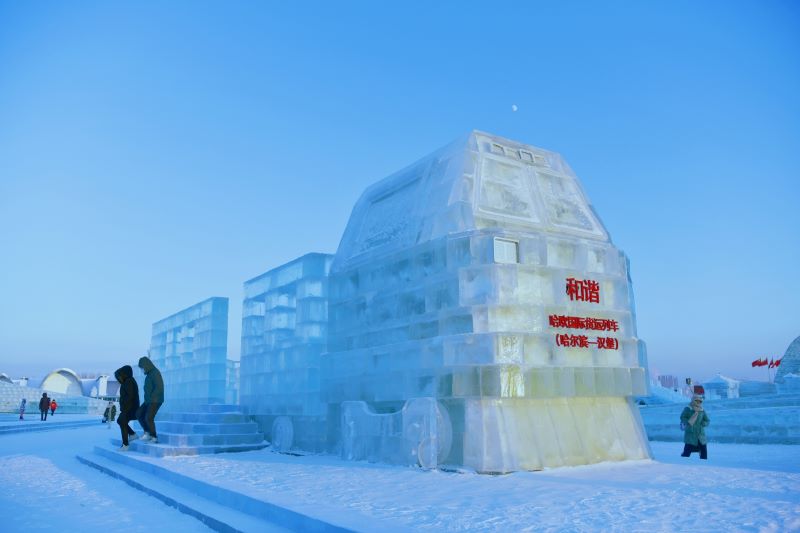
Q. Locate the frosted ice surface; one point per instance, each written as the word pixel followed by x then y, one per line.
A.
pixel 284 331
pixel 450 283
pixel 190 349
pixel 475 300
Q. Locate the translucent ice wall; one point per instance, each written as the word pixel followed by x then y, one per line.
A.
pixel 481 277
pixel 284 331
pixel 190 349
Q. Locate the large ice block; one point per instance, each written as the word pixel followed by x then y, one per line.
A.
pixel 190 349
pixel 284 331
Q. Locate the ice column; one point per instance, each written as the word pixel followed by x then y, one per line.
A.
pixel 190 349
pixel 284 331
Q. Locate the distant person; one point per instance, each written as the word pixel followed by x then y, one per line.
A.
pixel 153 398
pixel 128 403
pixel 44 406
pixel 22 405
pixel 110 413
pixel 694 421
pixel 53 406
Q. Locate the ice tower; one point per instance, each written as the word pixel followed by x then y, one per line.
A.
pixel 284 331
pixel 190 349
pixel 480 315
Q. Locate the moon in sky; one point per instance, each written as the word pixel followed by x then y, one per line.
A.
pixel 514 107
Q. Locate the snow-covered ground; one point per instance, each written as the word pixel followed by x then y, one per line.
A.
pixel 740 488
pixel 44 488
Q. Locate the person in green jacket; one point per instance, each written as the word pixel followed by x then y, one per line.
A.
pixel 153 398
pixel 694 421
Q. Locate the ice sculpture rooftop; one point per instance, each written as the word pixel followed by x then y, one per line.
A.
pixel 453 190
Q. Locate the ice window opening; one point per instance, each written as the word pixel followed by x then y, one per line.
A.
pixel 506 251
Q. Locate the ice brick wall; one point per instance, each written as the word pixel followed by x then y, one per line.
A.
pixel 11 395
pixel 284 331
pixel 482 277
pixel 190 349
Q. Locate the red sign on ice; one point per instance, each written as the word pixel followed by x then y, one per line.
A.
pixel 582 341
pixel 579 322
pixel 583 290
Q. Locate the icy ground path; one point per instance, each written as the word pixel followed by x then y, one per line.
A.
pixel 44 488
pixel 744 488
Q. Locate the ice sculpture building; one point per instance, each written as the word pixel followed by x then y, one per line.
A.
pixel 284 332
pixel 190 349
pixel 478 314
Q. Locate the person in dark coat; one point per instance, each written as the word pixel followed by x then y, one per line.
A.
pixel 153 398
pixel 128 403
pixel 22 405
pixel 694 421
pixel 110 414
pixel 44 406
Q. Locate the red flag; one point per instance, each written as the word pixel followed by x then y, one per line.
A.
pixel 778 363
pixel 764 362
pixel 757 362
pixel 772 363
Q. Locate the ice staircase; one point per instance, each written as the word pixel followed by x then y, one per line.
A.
pixel 215 428
pixel 223 508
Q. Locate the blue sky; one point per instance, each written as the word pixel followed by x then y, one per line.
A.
pixel 154 154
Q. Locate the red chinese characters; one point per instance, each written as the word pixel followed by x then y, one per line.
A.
pixel 607 343
pixel 572 341
pixel 577 322
pixel 582 341
pixel 583 290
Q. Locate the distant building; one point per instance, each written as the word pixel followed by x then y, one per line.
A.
pixel 721 387
pixel 64 381
pixel 669 382
pixel 790 363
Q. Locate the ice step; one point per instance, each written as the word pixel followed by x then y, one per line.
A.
pixel 300 517
pixel 199 439
pixel 216 516
pixel 168 450
pixel 194 428
pixel 206 418
pixel 219 408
